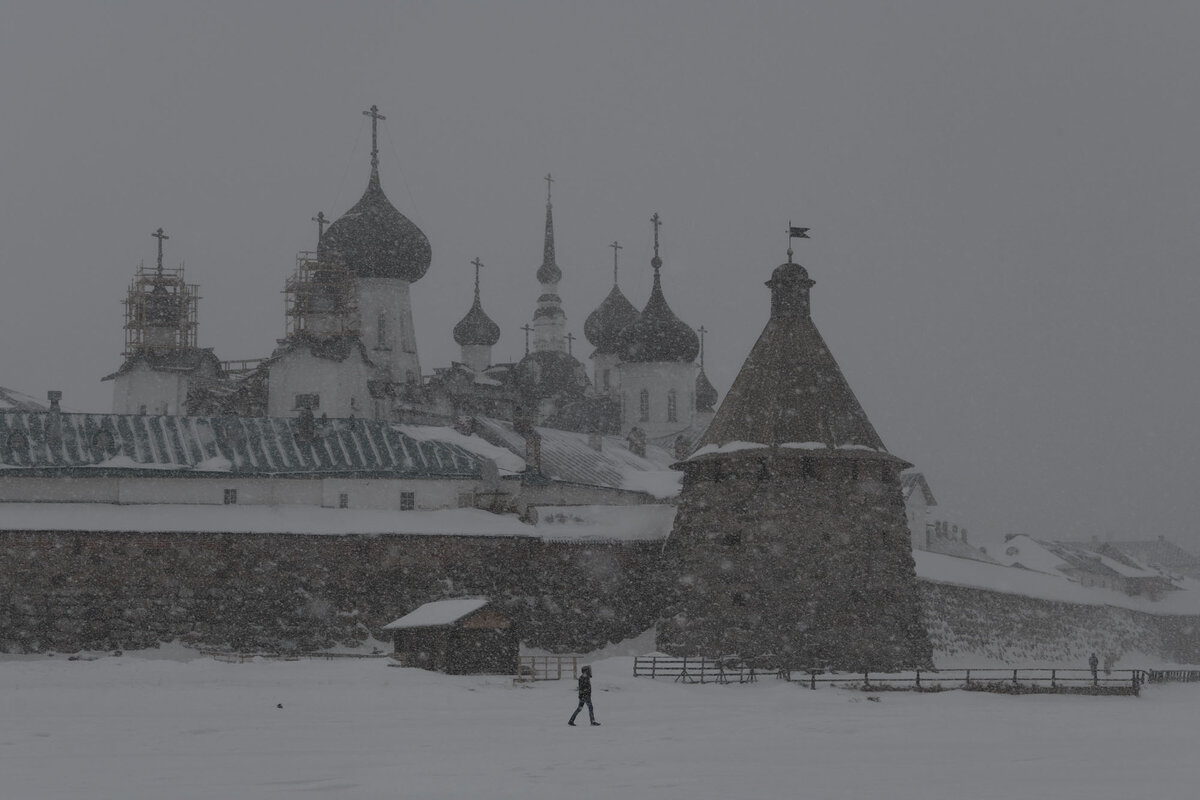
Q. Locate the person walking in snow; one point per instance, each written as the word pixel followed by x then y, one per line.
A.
pixel 1094 662
pixel 585 696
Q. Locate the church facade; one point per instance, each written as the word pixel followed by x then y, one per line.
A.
pixel 350 349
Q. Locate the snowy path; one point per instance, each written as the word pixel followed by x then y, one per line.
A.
pixel 145 729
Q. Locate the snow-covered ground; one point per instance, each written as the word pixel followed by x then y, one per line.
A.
pixel 141 727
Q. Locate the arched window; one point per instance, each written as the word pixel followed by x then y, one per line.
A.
pixel 644 406
pixel 672 416
pixel 381 330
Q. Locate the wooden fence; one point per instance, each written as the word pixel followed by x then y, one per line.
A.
pixel 1172 676
pixel 240 658
pixel 1021 680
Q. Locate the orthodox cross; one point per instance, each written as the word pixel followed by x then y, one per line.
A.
pixel 615 246
pixel 570 341
pixel 528 329
pixel 375 117
pixel 549 179
pixel 795 233
pixel 158 234
pixel 656 221
pixel 701 330
pixel 477 264
pixel 320 220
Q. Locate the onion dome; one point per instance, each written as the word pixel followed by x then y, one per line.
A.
pixel 706 393
pixel 547 373
pixel 657 334
pixel 604 325
pixel 476 328
pixel 374 240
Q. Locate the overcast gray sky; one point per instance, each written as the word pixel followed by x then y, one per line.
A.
pixel 1003 200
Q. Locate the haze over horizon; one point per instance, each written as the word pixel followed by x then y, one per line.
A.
pixel 1002 202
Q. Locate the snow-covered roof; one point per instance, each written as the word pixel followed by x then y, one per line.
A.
pixel 913 481
pixel 261 446
pixel 569 457
pixel 440 612
pixel 303 520
pixel 998 578
pixel 506 460
pixel 648 522
pixel 11 400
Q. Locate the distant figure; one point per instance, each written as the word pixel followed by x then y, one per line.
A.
pixel 1094 664
pixel 585 696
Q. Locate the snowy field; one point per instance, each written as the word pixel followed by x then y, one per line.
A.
pixel 144 728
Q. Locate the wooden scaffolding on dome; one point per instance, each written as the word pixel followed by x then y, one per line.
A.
pixel 160 311
pixel 321 298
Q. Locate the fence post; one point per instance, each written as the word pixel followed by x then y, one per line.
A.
pixel 814 680
pixel 1053 675
pixel 1014 677
pixel 866 679
pixel 968 677
pixel 918 679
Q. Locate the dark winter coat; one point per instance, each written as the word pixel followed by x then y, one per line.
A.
pixel 585 687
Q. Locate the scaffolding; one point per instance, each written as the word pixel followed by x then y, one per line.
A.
pixel 321 298
pixel 160 312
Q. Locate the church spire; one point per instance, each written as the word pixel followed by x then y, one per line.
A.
pixel 549 272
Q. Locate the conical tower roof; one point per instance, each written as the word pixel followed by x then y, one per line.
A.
pixel 706 393
pixel 790 388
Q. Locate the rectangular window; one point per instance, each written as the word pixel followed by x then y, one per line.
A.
pixel 381 339
pixel 343 500
pixel 671 406
pixel 644 406
pixel 466 500
pixel 408 501
pixel 231 497
pixel 606 378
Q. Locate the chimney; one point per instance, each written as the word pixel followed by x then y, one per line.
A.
pixel 637 442
pixel 54 423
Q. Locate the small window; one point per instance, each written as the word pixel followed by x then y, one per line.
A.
pixel 343 500
pixel 309 401
pixel 739 598
pixel 606 379
pixel 466 500
pixel 381 330
pixel 408 501
pixel 231 497
pixel 644 406
pixel 671 406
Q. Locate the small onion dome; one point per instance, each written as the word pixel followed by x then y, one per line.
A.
pixel 549 272
pixel 706 393
pixel 476 328
pixel 374 240
pixel 657 334
pixel 546 373
pixel 604 325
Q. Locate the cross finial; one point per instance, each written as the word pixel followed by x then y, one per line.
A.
pixel 375 116
pixel 477 264
pixel 615 247
pixel 320 220
pixel 549 179
pixel 656 221
pixel 701 330
pixel 158 234
pixel 528 330
pixel 570 340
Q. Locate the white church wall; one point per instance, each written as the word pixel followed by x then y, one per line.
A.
pixel 657 380
pixel 385 308
pixel 341 386
pixel 142 390
pixel 606 365
pixel 59 490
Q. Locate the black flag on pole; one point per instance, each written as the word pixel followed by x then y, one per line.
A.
pixel 798 233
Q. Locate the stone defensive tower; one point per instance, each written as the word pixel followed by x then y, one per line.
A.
pixel 790 543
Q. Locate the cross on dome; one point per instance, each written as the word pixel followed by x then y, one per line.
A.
pixel 158 234
pixel 375 116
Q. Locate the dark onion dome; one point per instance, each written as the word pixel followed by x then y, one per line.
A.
pixel 657 334
pixel 476 328
pixel 374 240
pixel 547 373
pixel 604 325
pixel 706 393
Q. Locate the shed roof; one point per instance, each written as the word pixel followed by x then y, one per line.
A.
pixel 438 613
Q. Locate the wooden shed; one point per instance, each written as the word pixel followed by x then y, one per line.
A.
pixel 463 636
